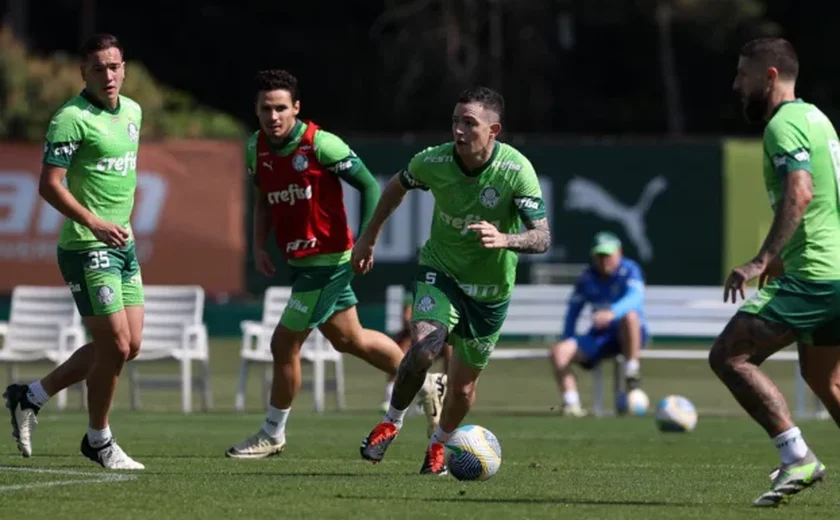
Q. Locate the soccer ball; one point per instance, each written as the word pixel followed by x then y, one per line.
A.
pixel 473 453
pixel 675 413
pixel 635 402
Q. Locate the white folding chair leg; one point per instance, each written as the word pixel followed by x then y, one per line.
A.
pixel 801 408
pixel 242 386
pixel 84 392
pixel 207 393
pixel 61 397
pixel 339 383
pixel 618 386
pixel 61 400
pixel 186 384
pixel 12 373
pixel 134 386
pixel 318 383
pixel 267 379
pixel 597 392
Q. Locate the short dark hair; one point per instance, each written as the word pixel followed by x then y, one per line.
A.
pixel 100 42
pixel 488 98
pixel 773 52
pixel 277 79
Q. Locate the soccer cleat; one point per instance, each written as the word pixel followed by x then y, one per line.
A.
pixel 258 446
pixel 633 382
pixel 435 461
pixel 109 456
pixel 431 397
pixel 374 446
pixel 790 479
pixel 573 410
pixel 23 415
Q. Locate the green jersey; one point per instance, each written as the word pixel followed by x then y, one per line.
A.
pixel 504 192
pixel 800 137
pixel 98 147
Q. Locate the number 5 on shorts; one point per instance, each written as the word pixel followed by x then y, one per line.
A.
pixel 431 277
pixel 99 260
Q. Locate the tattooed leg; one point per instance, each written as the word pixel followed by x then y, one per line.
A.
pixel 427 341
pixel 735 357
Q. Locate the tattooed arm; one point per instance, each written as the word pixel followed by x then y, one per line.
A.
pixel 536 239
pixel 798 192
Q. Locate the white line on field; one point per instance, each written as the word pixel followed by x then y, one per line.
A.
pixel 92 478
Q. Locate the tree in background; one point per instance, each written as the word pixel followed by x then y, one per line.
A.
pixel 32 88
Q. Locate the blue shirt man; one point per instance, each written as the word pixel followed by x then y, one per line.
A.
pixel 614 287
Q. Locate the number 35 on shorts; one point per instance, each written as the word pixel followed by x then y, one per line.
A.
pixel 98 260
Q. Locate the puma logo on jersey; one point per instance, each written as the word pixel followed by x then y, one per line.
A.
pixel 269 165
pixel 587 196
pixel 290 195
pixel 121 165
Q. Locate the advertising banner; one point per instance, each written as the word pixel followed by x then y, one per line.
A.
pixel 663 200
pixel 187 216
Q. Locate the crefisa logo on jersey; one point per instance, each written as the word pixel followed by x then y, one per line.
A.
pixel 133 132
pixel 489 197
pixel 300 162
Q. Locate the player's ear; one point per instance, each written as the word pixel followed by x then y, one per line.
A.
pixel 495 128
pixel 772 74
pixel 296 106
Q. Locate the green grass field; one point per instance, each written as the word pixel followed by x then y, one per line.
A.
pixel 553 467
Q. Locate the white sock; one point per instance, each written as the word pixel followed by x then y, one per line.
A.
pixel 395 416
pixel 275 422
pixel 37 395
pixel 631 367
pixel 389 391
pixel 571 398
pixel 98 438
pixel 439 436
pixel 791 445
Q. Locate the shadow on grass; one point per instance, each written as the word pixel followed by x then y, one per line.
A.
pixel 536 501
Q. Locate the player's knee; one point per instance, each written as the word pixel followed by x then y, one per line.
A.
pixel 348 344
pixel 419 360
pixel 133 348
pixel 462 393
pixel 120 349
pixel 563 353
pixel 631 319
pixel 719 359
pixel 285 343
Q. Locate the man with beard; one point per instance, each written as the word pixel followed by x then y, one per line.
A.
pixel 799 257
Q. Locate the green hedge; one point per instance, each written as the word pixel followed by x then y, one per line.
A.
pixel 32 88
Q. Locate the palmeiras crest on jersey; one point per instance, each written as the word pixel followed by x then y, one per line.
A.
pixel 300 162
pixel 105 295
pixel 133 132
pixel 489 197
pixel 425 304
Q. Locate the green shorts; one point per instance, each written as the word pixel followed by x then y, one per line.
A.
pixel 318 292
pixel 103 280
pixel 474 326
pixel 810 308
